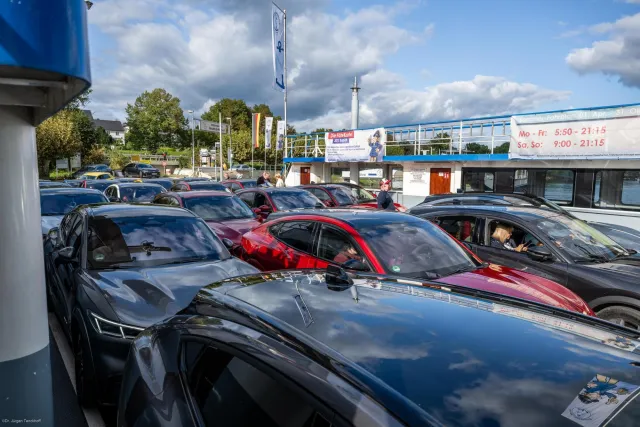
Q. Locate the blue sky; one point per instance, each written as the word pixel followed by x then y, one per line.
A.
pixel 418 60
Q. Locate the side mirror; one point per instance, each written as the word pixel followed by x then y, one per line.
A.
pixel 355 264
pixel 227 243
pixel 328 203
pixel 631 251
pixel 321 205
pixel 114 199
pixel 337 279
pixel 53 235
pixel 539 253
pixel 67 254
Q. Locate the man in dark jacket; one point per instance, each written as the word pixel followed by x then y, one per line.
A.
pixel 385 201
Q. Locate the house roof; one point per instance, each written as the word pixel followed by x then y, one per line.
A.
pixel 109 125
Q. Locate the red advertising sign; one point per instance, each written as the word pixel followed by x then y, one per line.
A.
pixel 345 134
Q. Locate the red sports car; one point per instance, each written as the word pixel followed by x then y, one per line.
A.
pixel 336 195
pixel 390 243
pixel 225 213
pixel 264 200
pixel 363 197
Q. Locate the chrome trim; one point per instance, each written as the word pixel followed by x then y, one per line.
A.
pixel 120 326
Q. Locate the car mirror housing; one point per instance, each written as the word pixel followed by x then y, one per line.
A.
pixel 355 264
pixel 67 254
pixel 539 253
pixel 228 243
pixel 337 279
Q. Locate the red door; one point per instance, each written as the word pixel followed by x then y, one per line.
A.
pixel 305 175
pixel 440 181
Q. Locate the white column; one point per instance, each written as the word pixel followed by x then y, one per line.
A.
pixel 24 334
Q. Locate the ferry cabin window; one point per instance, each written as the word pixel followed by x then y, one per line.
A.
pixel 631 188
pixel 397 176
pixel 615 189
pixel 478 182
pixel 340 175
pixel 558 185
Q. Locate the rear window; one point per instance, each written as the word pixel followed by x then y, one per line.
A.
pixel 207 186
pixel 286 200
pixel 343 196
pixel 140 194
pixel 61 204
pixel 218 208
pixel 144 166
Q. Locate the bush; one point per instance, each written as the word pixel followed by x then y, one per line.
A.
pixel 96 155
pixel 118 160
pixel 184 162
pixel 63 174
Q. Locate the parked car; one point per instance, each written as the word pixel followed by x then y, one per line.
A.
pixel 265 200
pixel 243 168
pixel 560 248
pixel 133 192
pixel 130 180
pixel 190 179
pixel 322 349
pixel 335 195
pixel 627 237
pixel 57 202
pixel 117 269
pixel 93 168
pixel 225 213
pixel 199 186
pixel 363 196
pixel 389 243
pixel 53 184
pixel 140 170
pixel 89 176
pixel 167 183
pixel 100 184
pixel 236 185
pixel 76 183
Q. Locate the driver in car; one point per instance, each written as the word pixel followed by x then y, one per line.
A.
pixel 501 238
pixel 347 253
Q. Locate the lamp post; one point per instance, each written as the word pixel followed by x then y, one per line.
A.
pixel 229 152
pixel 193 143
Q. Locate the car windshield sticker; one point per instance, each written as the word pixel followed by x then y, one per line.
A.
pixel 600 400
pixel 98 257
pixel 396 268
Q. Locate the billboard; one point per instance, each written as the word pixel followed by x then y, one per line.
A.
pixel 216 127
pixel 355 145
pixel 612 133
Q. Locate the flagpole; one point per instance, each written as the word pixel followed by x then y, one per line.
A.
pixel 286 85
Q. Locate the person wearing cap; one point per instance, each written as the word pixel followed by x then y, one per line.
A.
pixel 385 201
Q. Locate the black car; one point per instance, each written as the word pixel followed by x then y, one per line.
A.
pixel 626 237
pixel 167 183
pixel 312 349
pixel 117 269
pixel 54 184
pixel 55 203
pixel 558 247
pixel 140 170
pixel 92 168
pixel 199 186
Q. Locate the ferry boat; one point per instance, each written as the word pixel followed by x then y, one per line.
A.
pixel 583 159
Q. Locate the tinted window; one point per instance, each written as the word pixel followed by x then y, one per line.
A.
pixel 165 184
pixel 298 235
pixel 151 240
pixel 218 208
pixel 73 238
pixel 195 186
pixel 249 184
pixel 144 166
pixel 337 247
pixel 342 195
pixel 140 194
pixel 559 185
pixel 320 194
pixel 61 204
pixel 460 227
pixel 230 392
pixel 631 188
pixel 248 198
pixel 261 200
pixel 417 249
pixel 285 200
pixel 478 181
pixel 360 194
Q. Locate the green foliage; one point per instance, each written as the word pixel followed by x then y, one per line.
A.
pixel 476 148
pixel 118 160
pixel 501 149
pixel 80 100
pixel 155 119
pixel 56 138
pixel 95 155
pixel 237 109
pixel 322 130
pixel 53 175
pixel 103 139
pixel 184 162
pixel 441 141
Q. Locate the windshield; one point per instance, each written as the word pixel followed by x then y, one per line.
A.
pixel 101 184
pixel 144 166
pixel 417 249
pixel 195 186
pixel 61 204
pixel 140 194
pixel 166 184
pixel 360 194
pixel 286 200
pixel 218 208
pixel 151 241
pixel 342 195
pixel 578 239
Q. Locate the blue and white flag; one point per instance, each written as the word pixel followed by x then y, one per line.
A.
pixel 277 38
pixel 268 124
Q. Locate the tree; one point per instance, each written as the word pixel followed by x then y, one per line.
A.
pixel 155 119
pixel 441 141
pixel 291 130
pixel 57 137
pixel 322 130
pixel 237 109
pixel 501 149
pixel 103 139
pixel 476 148
pixel 79 101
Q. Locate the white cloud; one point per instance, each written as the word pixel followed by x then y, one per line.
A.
pixel 204 50
pixel 619 55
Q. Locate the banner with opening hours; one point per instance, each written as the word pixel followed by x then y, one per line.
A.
pixel 578 134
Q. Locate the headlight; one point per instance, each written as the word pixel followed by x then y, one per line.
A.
pixel 113 329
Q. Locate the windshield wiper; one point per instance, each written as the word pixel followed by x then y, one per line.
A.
pixel 187 260
pixel 593 258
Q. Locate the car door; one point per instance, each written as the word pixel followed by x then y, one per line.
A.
pixel 333 247
pixel 65 270
pixel 555 269
pixel 295 248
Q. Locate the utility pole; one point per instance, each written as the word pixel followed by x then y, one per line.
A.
pixel 220 123
pixel 193 143
pixel 229 151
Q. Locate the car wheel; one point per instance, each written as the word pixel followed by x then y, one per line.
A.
pixel 85 385
pixel 623 316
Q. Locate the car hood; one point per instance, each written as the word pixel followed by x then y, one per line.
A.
pixel 142 297
pixel 515 283
pixel 50 221
pixel 626 267
pixel 233 229
pixel 626 237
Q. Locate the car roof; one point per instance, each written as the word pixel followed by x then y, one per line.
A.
pixel 426 350
pixel 123 210
pixel 196 183
pixel 205 193
pixel 275 189
pixel 357 218
pixel 66 190
pixel 243 180
pixel 530 213
pixel 138 184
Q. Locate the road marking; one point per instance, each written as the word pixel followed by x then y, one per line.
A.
pixel 92 415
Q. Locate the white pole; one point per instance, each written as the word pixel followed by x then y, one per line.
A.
pixel 286 84
pixel 220 124
pixel 460 139
pixel 193 144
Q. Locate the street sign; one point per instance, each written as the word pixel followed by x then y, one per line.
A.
pixel 208 126
pixel 62 163
pixel 164 164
